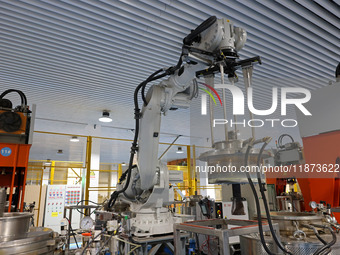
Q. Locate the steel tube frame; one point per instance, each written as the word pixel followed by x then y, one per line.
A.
pixel 205 227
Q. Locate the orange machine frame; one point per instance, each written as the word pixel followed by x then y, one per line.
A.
pixel 15 168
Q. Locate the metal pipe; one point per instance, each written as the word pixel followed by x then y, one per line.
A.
pixel 209 79
pixel 169 147
pixel 224 102
pixel 108 138
pixel 211 114
pixel 196 178
pixel 40 191
pixel 88 168
pixel 247 74
pixel 235 118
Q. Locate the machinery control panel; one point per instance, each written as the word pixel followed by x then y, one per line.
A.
pixel 54 206
pixel 57 197
pixel 218 210
pixel 72 195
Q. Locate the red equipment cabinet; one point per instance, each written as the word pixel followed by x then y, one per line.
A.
pixel 13 170
pixel 322 149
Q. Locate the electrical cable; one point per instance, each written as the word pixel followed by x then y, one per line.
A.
pixel 257 203
pixel 268 212
pixel 115 194
pixel 264 198
pixel 88 244
pixel 21 94
pixel 73 234
pixel 134 147
pixel 316 233
pixel 85 200
pixel 145 83
pixel 261 185
pixel 108 240
pixel 144 86
pixel 123 176
pixel 337 71
pixel 279 140
pixel 188 40
pixel 330 244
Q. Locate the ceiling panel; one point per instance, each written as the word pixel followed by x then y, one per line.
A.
pixel 74 59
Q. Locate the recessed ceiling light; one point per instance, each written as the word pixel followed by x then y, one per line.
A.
pixel 105 117
pixel 179 150
pixel 74 139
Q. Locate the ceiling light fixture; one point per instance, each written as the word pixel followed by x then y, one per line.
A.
pixel 123 164
pixel 48 163
pixel 179 150
pixel 105 117
pixel 74 139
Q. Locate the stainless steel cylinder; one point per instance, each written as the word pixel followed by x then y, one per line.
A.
pixel 14 225
pixel 225 160
pixel 2 201
pixel 38 241
pixel 287 221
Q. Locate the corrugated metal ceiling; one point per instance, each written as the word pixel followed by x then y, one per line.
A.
pixel 76 58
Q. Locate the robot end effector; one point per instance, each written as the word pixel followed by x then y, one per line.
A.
pixel 213 43
pixel 217 38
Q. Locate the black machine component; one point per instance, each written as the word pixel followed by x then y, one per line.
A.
pixel 210 208
pixel 205 207
pixel 237 207
pixel 227 56
pixel 194 36
pixel 6 103
pixel 337 72
pixel 15 122
pixel 230 66
pixel 10 121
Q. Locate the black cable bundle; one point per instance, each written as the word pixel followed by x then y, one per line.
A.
pixel 279 141
pixel 21 94
pixel 134 147
pixel 262 190
pixel 257 202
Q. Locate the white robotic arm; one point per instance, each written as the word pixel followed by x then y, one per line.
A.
pixel 162 97
pixel 205 45
pixel 214 42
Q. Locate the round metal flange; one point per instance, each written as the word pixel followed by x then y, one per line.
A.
pixel 38 241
